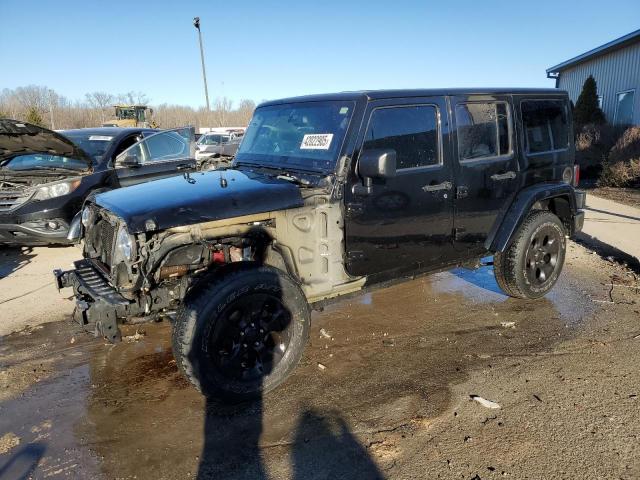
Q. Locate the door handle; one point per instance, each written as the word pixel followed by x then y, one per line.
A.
pixel 439 186
pixel 183 166
pixel 503 176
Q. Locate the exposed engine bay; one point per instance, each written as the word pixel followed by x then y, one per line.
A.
pixel 154 271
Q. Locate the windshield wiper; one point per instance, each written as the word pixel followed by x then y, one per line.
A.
pixel 53 169
pixel 278 172
pixel 294 179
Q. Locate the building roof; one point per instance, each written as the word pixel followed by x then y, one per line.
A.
pixel 601 50
pixel 383 94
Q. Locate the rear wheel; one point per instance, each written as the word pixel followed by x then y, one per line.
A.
pixel 530 266
pixel 243 334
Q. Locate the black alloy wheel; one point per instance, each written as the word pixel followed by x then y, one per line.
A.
pixel 542 255
pixel 253 337
pixel 530 266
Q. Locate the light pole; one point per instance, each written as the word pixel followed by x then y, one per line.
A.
pixel 196 23
pixel 53 125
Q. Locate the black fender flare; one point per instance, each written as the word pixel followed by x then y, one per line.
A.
pixel 520 207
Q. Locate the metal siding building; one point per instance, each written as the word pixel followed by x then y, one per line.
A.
pixel 616 69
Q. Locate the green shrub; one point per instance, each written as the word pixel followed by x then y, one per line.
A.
pixel 33 116
pixel 587 109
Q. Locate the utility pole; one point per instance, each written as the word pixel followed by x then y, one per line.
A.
pixel 53 126
pixel 196 23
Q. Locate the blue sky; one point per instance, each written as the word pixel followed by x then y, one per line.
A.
pixel 264 50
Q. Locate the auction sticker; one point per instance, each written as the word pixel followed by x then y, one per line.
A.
pixel 316 141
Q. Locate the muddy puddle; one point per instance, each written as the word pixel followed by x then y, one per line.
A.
pixel 388 360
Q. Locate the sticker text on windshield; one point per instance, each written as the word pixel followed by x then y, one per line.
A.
pixel 100 138
pixel 316 141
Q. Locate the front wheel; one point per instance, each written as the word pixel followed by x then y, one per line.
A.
pixel 242 334
pixel 530 266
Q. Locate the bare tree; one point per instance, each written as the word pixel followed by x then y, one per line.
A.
pixel 245 111
pixel 133 98
pixel 221 111
pixel 100 101
pixel 36 101
pixel 33 96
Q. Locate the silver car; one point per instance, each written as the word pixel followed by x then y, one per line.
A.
pixel 212 145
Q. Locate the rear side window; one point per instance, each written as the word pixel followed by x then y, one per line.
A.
pixel 164 146
pixel 545 125
pixel 483 130
pixel 412 131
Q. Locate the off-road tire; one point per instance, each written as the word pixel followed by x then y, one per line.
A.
pixel 510 266
pixel 203 314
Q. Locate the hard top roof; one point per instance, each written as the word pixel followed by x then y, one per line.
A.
pixel 382 94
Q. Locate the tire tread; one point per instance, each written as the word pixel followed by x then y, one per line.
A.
pixel 505 263
pixel 184 327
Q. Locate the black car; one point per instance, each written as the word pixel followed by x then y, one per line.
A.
pixel 329 196
pixel 45 176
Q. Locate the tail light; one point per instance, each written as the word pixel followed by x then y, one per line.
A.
pixel 576 175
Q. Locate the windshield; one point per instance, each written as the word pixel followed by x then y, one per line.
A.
pixel 305 135
pixel 93 144
pixel 125 113
pixel 41 161
pixel 214 139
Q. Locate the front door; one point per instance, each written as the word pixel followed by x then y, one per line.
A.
pixel 163 154
pixel 487 162
pixel 404 222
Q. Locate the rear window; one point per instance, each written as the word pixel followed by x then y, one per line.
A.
pixel 483 130
pixel 545 125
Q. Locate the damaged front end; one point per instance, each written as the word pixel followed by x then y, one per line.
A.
pixel 133 278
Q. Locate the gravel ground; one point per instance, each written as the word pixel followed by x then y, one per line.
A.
pixel 409 375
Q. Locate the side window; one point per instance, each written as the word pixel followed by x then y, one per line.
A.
pixel 545 125
pixel 412 131
pixel 126 143
pixel 483 130
pixel 166 146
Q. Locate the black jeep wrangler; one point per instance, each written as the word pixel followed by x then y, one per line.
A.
pixel 330 195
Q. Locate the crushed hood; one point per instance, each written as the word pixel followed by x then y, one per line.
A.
pixel 199 197
pixel 20 138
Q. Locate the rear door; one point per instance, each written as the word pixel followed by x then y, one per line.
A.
pixel 163 154
pixel 488 174
pixel 406 221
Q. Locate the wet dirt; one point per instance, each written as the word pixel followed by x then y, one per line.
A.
pixel 393 400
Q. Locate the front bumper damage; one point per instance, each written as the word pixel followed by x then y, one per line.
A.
pixel 98 304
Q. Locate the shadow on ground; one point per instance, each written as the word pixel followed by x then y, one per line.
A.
pixel 22 463
pixel 13 259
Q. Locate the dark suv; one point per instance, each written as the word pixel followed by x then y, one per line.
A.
pixel 328 196
pixel 45 176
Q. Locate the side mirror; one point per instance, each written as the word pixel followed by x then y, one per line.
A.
pixel 128 159
pixel 378 163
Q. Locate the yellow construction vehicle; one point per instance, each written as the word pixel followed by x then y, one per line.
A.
pixel 131 116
